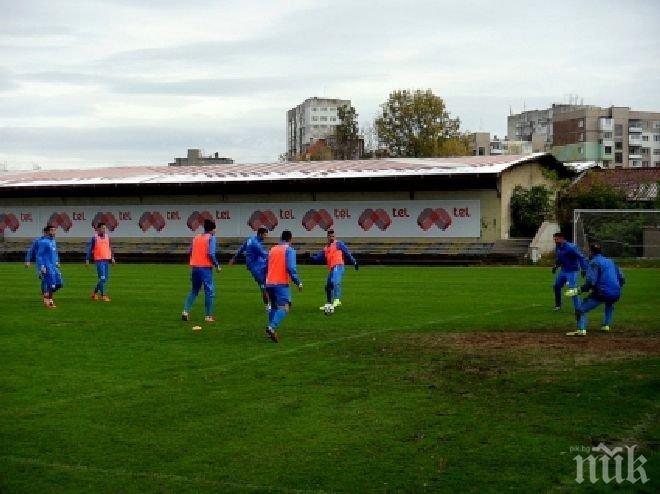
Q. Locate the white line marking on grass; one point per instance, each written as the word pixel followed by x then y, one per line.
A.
pixel 121 472
pixel 317 344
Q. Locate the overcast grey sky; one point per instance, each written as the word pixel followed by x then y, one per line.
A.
pixel 131 82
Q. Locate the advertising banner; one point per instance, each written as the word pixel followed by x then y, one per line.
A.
pixel 455 218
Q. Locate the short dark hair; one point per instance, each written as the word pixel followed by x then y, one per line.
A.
pixel 286 236
pixel 100 224
pixel 331 232
pixel 261 230
pixel 46 228
pixel 596 249
pixel 559 234
pixel 209 225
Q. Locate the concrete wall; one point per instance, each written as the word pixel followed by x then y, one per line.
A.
pixel 526 176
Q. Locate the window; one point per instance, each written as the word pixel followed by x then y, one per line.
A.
pixel 656 125
pixel 657 163
pixel 607 135
pixel 608 149
pixel 315 118
pixel 580 123
pixel 579 149
pixel 645 138
pixel 656 138
pixel 581 136
pixel 645 163
pixel 656 152
pixel 618 158
pixel 482 151
pixel 314 109
pixel 645 150
pixel 333 119
pixel 607 163
pixel 618 130
pixel 618 146
pixel 324 109
pixel 324 119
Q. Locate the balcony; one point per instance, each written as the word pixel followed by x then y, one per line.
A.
pixel 635 155
pixel 606 124
pixel 634 128
pixel 634 139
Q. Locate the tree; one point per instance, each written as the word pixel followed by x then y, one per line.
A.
pixel 529 208
pixel 347 145
pixel 417 124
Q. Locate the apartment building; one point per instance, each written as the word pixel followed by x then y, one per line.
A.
pixel 535 126
pixel 313 119
pixel 610 137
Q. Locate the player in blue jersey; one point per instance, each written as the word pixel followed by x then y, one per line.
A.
pixel 256 260
pixel 334 254
pixel 31 254
pixel 569 260
pixel 48 263
pixel 604 281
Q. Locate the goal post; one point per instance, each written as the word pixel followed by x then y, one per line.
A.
pixel 621 232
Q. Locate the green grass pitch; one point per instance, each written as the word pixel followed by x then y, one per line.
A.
pixel 426 379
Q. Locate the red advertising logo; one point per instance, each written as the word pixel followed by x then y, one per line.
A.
pixel 151 219
pixel 429 217
pixel 314 218
pixel 10 221
pixel 196 219
pixel 371 217
pixel 107 218
pixel 60 220
pixel 262 219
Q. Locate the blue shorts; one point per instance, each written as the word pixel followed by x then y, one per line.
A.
pixel 280 294
pixel 52 279
pixel 259 275
pixel 103 270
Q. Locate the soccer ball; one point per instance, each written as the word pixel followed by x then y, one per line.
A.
pixel 328 310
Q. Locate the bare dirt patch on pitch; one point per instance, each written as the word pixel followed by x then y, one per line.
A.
pixel 497 353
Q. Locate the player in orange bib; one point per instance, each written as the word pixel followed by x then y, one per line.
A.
pixel 202 262
pixel 98 249
pixel 281 269
pixel 334 254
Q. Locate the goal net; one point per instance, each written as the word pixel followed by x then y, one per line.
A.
pixel 621 232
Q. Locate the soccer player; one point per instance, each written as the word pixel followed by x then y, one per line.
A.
pixel 98 248
pixel 256 260
pixel 48 263
pixel 334 254
pixel 568 259
pixel 202 262
pixel 281 269
pixel 31 254
pixel 604 280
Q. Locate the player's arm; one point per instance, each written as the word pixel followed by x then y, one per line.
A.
pixel 619 276
pixel 212 246
pixel 593 274
pixel 348 257
pixel 557 263
pixel 318 258
pixel 240 252
pixel 90 248
pixel 291 267
pixel 31 253
pixel 582 260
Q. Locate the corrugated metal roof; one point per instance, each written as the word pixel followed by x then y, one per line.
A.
pixel 155 175
pixel 639 184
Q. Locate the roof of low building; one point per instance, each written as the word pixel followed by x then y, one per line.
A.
pixel 377 168
pixel 639 184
